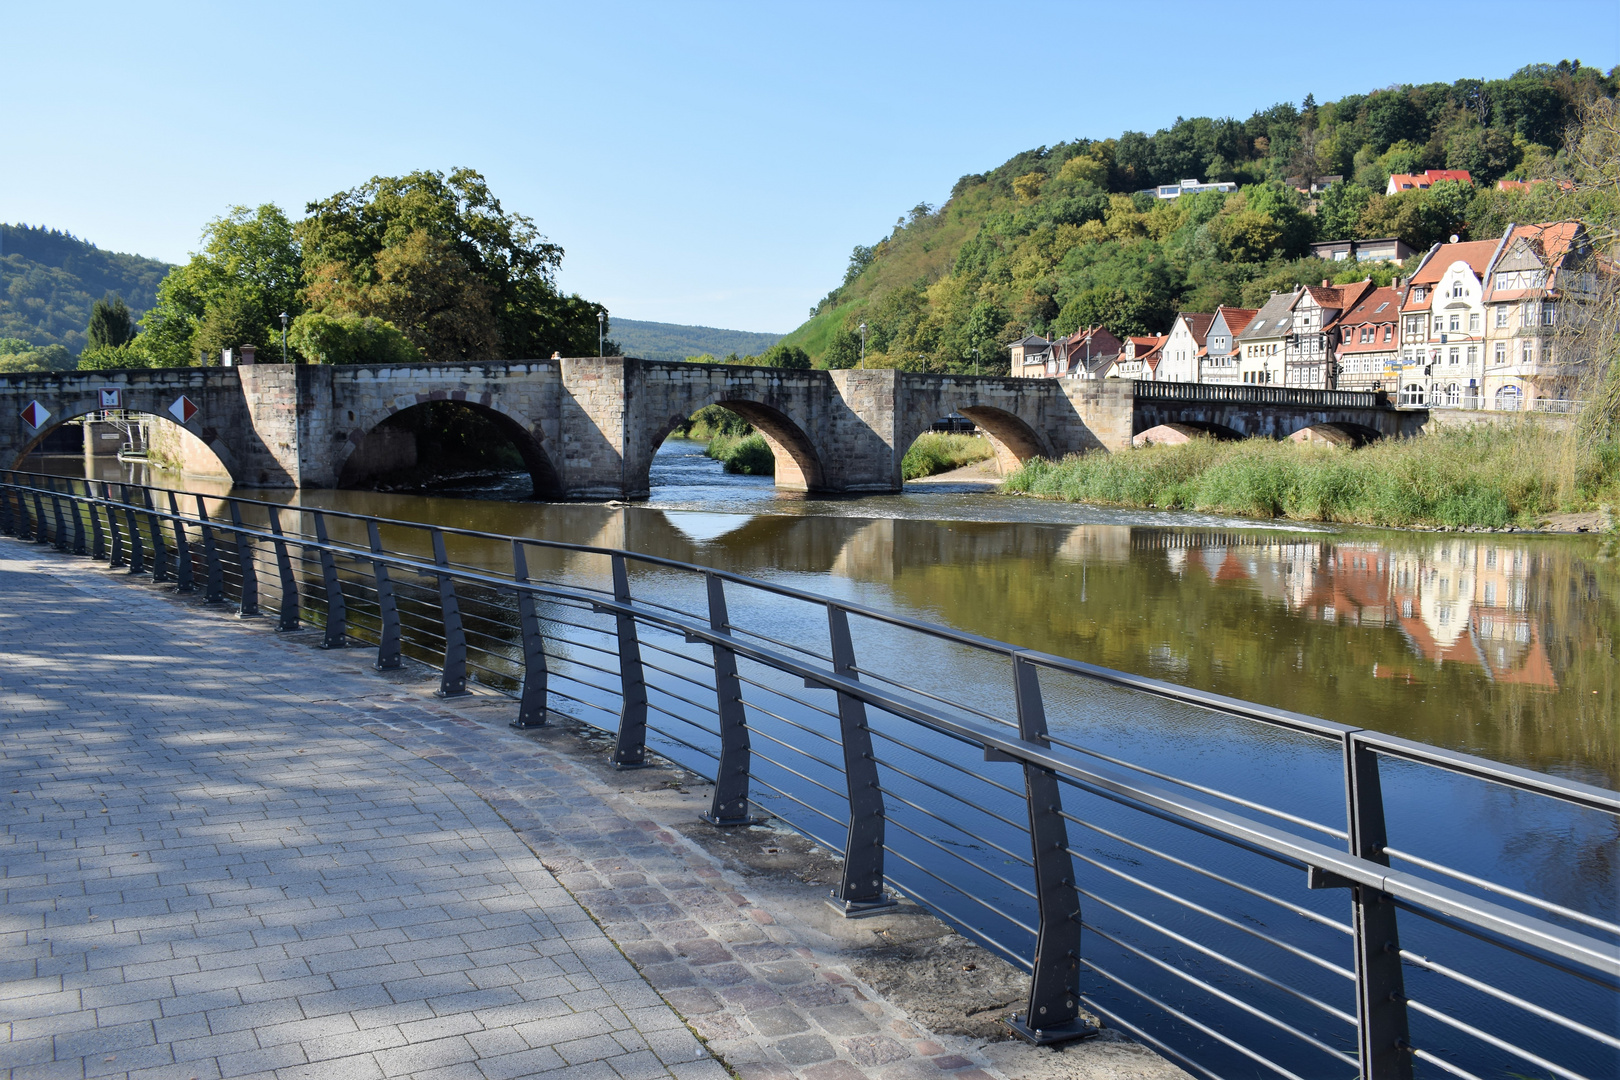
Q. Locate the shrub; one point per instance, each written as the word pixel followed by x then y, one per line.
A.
pixel 350 339
pixel 747 454
pixel 936 452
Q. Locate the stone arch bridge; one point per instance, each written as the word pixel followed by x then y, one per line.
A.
pixel 588 428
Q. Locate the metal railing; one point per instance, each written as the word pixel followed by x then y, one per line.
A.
pixel 1214 897
pixel 1251 394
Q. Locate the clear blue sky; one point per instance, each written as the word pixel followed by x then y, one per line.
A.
pixel 700 163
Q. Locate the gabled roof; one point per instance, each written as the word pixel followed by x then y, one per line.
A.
pixel 1032 340
pixel 1273 319
pixel 1476 253
pixel 1408 181
pixel 1151 341
pixel 1378 306
pixel 1236 317
pixel 1197 323
pixel 1551 242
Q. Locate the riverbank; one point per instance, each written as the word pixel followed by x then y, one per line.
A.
pixel 1496 477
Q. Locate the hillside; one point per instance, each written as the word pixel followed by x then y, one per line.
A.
pixel 49 280
pixel 1071 235
pixel 672 341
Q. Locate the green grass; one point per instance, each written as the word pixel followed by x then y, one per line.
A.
pixel 745 454
pixel 1489 475
pixel 935 452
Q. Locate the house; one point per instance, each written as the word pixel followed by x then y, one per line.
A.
pixel 1443 326
pixel 1218 362
pixel 1087 353
pixel 1030 355
pixel 1138 358
pixel 1262 342
pixel 1312 185
pixel 1539 266
pixel 1368 351
pixel 1386 249
pixel 1428 178
pixel 1182 347
pixel 1308 350
pixel 1190 187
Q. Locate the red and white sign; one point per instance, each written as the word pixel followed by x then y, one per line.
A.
pixel 34 415
pixel 112 397
pixel 183 409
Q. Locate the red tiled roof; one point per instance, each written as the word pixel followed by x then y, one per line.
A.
pixel 1476 253
pixel 1197 323
pixel 1238 317
pixel 1408 181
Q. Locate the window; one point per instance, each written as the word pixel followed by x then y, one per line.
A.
pixel 1457 288
pixel 1439 323
pixel 1547 311
pixel 1527 353
pixel 1473 320
pixel 1501 314
pixel 1456 322
pixel 1389 331
pixel 1501 352
pixel 1473 355
pixel 1527 313
pixel 1381 307
pixel 1456 356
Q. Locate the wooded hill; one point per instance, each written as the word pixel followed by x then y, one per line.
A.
pixel 671 341
pixel 49 279
pixel 1071 235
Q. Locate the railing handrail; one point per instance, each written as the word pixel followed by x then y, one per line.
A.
pixel 1573 791
pixel 1376 889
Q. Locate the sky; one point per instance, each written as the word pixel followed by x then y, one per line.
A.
pixel 705 163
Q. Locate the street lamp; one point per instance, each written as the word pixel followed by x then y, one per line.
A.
pixel 284 321
pixel 863 343
pixel 974 352
pixel 601 329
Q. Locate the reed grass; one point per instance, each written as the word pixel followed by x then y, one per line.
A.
pixel 936 452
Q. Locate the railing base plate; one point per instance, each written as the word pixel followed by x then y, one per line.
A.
pixel 523 725
pixel 729 823
pixel 1070 1032
pixel 862 909
pixel 623 766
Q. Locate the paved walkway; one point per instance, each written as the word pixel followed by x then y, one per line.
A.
pixel 208 874
pixel 227 853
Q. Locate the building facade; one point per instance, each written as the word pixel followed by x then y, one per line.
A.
pixel 1443 327
pixel 1368 348
pixel 1543 273
pixel 1263 343
pixel 1182 346
pixel 1219 360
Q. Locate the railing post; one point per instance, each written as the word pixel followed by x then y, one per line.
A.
pixel 160 550
pixel 730 803
pixel 244 564
pixel 1380 985
pixel 185 580
pixel 98 541
pixel 1054 990
pixel 116 557
pixel 337 612
pixel 61 518
pixel 532 705
pixel 453 681
pixel 288 620
pixel 630 749
pixel 215 588
pixel 137 548
pixel 388 654
pixel 41 533
pixel 6 522
pixel 860 892
pixel 79 546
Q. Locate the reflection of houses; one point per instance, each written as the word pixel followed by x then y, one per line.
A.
pixel 1454 602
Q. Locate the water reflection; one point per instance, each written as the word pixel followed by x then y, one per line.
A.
pixel 1502 646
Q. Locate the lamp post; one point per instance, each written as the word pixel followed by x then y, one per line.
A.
pixel 863 343
pixel 974 352
pixel 601 329
pixel 284 321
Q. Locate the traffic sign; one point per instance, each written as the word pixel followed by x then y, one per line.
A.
pixel 112 397
pixel 34 415
pixel 183 409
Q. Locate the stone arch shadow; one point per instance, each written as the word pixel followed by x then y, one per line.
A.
pixel 1357 434
pixel 799 465
pixel 1014 439
pixel 526 437
pixel 217 447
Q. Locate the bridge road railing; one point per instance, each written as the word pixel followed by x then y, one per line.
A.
pixel 1249 394
pixel 1259 929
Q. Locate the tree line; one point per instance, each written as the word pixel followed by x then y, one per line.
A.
pixel 1072 235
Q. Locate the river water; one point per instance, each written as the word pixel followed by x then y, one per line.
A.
pixel 1502 645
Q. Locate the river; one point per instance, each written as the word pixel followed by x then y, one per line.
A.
pixel 1501 645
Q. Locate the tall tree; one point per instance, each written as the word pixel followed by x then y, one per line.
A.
pixel 440 258
pixel 109 323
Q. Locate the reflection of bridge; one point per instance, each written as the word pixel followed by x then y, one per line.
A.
pixel 588 428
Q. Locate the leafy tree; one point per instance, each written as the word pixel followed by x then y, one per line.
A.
pixel 230 293
pixel 784 356
pixel 1340 210
pixel 350 339
pixel 17 355
pixel 109 323
pixel 438 256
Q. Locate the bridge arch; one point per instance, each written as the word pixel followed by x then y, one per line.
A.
pixel 1334 432
pixel 367 452
pixel 1013 438
pixel 799 465
pixel 205 438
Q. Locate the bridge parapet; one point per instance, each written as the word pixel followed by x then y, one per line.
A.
pixel 1296 397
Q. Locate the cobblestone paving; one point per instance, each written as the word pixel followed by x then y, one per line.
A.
pixel 208 873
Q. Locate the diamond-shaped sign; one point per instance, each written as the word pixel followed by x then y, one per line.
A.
pixel 34 415
pixel 183 409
